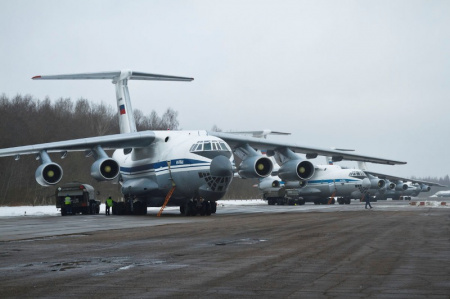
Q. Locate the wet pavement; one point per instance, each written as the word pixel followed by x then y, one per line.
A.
pixel 393 250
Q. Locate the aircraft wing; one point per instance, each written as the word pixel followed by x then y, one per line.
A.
pixel 311 152
pixel 396 178
pixel 125 140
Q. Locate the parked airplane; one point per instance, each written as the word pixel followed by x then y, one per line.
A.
pixel 190 169
pixel 327 183
pixel 397 186
pixel 441 194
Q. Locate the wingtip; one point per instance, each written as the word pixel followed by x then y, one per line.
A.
pixel 36 77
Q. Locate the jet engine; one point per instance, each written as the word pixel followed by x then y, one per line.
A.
pixel 255 167
pixel 105 169
pixel 377 183
pixel 425 188
pixel 269 182
pixel 390 185
pixel 294 170
pixel 48 174
pixel 296 184
pixel 400 186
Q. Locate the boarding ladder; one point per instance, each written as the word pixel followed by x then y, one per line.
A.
pixel 166 200
pixel 170 191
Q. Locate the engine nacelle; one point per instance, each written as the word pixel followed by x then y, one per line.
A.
pixel 425 188
pixel 296 184
pixel 401 186
pixel 48 174
pixel 376 183
pixel 255 167
pixel 390 185
pixel 269 182
pixel 294 170
pixel 105 169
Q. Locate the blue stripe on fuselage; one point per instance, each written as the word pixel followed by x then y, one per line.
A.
pixel 331 181
pixel 158 166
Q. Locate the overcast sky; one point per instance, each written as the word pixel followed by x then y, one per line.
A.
pixel 368 75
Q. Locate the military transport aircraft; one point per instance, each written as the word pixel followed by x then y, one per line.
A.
pixel 327 183
pixel 397 186
pixel 190 169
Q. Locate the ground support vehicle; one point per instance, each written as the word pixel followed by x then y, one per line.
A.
pixel 82 197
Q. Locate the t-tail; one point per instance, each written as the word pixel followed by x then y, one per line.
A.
pixel 120 79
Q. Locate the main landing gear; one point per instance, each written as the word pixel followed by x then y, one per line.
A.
pixel 198 206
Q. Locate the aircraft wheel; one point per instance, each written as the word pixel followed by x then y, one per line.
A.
pixel 192 208
pixel 208 209
pixel 203 209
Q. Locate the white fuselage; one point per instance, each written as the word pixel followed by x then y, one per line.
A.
pixel 182 158
pixel 330 181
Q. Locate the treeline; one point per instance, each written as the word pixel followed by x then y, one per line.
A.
pixel 25 121
pixel 443 181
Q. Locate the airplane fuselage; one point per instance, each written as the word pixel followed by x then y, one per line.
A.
pixel 330 181
pixel 180 158
pixel 334 181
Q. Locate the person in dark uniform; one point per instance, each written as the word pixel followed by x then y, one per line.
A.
pixel 367 200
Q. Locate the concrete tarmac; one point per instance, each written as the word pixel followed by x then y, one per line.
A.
pixel 393 250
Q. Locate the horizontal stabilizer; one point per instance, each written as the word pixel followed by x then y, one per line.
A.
pixel 259 134
pixel 115 76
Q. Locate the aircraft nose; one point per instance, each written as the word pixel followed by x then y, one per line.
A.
pixel 366 183
pixel 221 166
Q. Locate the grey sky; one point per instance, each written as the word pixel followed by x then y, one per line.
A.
pixel 369 75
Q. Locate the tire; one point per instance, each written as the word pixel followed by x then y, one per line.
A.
pixel 208 209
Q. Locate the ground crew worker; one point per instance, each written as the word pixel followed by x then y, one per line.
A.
pixel 109 204
pixel 68 204
pixel 367 199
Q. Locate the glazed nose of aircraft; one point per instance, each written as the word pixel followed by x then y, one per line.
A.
pixel 366 183
pixel 221 167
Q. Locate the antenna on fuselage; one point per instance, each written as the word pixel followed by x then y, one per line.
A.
pixel 120 79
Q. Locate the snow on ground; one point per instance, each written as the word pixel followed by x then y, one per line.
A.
pixel 52 211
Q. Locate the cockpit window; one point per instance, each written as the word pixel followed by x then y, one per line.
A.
pixel 357 174
pixel 223 146
pixel 209 145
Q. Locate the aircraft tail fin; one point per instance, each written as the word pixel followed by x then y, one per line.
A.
pixel 362 165
pixel 120 79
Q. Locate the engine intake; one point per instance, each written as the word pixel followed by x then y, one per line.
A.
pixel 48 174
pixel 377 184
pixel 255 167
pixel 105 169
pixel 425 188
pixel 401 186
pixel 295 170
pixel 269 182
